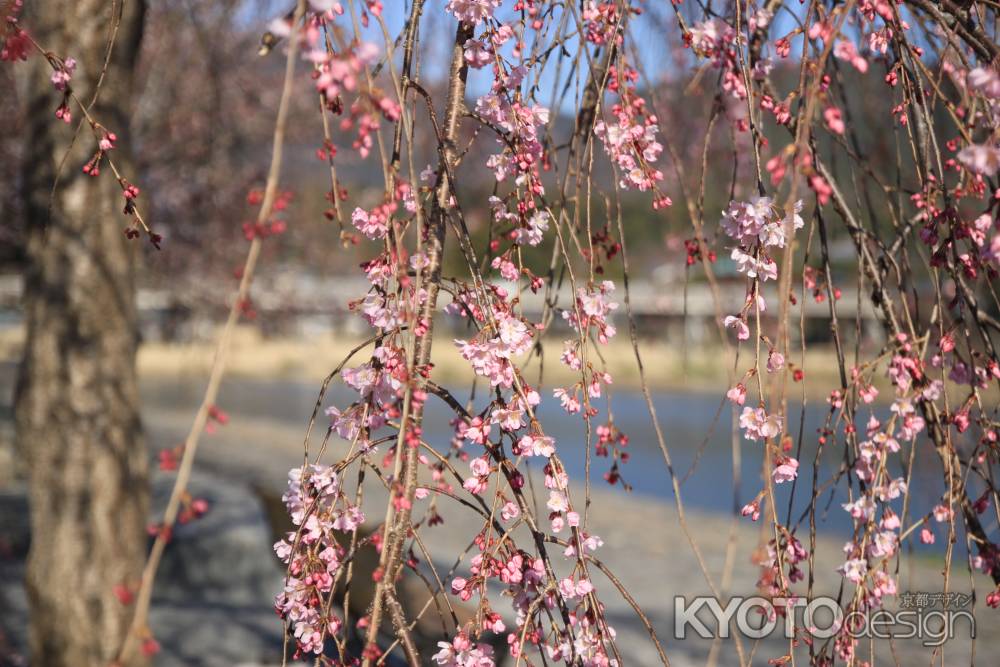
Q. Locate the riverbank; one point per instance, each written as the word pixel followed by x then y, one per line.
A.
pixel 646 547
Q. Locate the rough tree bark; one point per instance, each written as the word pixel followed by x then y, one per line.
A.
pixel 77 415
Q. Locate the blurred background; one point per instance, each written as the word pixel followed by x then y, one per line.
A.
pixel 203 99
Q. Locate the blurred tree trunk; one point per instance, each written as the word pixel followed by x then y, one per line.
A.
pixel 77 413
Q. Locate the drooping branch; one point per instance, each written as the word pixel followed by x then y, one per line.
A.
pixel 165 529
pixel 397 524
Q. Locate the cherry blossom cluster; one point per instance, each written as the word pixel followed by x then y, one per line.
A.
pixel 463 652
pixel 15 45
pixel 534 595
pixel 521 151
pixel 869 563
pixel 716 40
pixel 757 226
pixel 14 42
pixel 339 73
pixel 559 616
pixel 590 317
pixel 490 354
pixel 592 311
pixel 62 75
pixel 612 442
pixel 601 21
pixel 631 140
pixel 313 554
pixel 473 12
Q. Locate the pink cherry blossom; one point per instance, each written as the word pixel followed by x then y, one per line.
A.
pixel 982 159
pixel 786 470
pixel 758 425
pixel 473 12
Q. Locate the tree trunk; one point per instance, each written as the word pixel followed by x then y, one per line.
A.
pixel 77 412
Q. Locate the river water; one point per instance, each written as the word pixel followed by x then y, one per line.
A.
pixel 697 429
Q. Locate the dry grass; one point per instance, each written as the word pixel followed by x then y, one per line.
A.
pixel 698 368
pixel 668 367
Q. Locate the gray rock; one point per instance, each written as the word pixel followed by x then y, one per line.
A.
pixel 15 523
pixel 13 614
pixel 222 558
pixel 212 635
pixel 212 604
pixel 15 537
pixel 216 583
